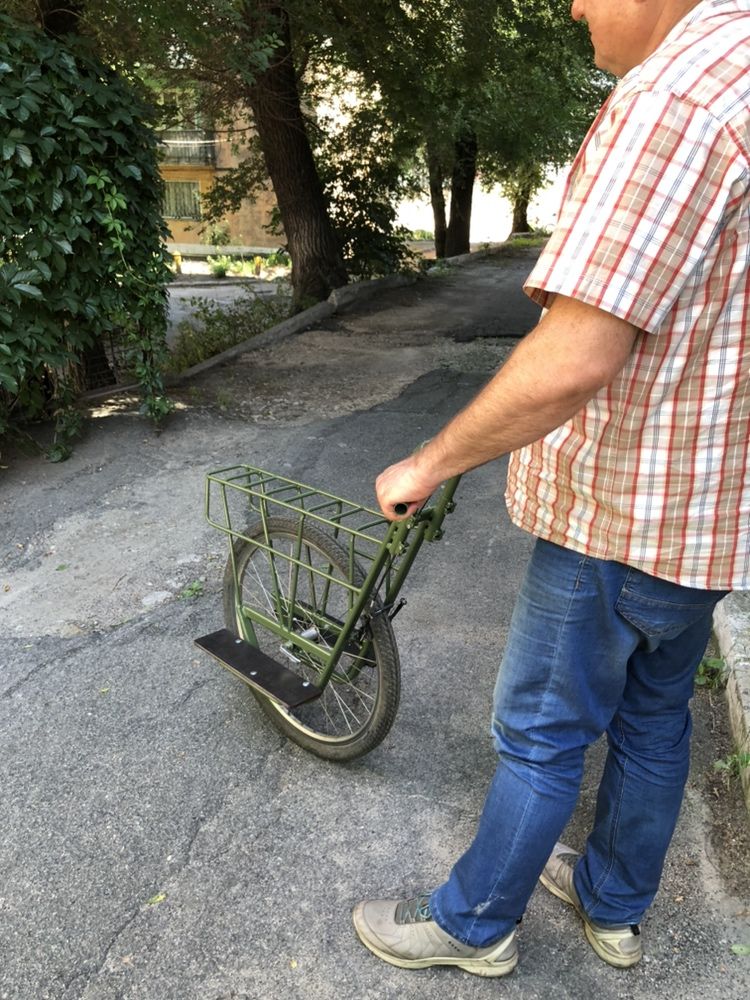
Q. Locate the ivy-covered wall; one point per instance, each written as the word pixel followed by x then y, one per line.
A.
pixel 82 256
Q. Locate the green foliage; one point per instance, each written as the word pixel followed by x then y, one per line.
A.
pixel 68 422
pixel 279 258
pixel 194 589
pixel 360 162
pixel 733 764
pixel 81 252
pixel 216 234
pixel 220 266
pixel 222 327
pixel 712 673
pixel 518 76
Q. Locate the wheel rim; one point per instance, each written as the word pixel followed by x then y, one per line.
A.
pixel 349 699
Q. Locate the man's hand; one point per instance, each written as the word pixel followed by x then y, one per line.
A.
pixel 404 483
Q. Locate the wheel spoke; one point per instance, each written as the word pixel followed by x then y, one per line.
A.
pixel 350 700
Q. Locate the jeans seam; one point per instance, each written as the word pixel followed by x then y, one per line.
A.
pixel 596 889
pixel 505 866
pixel 556 658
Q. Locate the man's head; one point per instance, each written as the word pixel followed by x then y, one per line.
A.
pixel 625 32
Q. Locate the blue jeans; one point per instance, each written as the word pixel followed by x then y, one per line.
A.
pixel 594 646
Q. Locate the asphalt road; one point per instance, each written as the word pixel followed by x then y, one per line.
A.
pixel 158 841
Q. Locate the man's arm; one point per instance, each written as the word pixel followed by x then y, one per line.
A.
pixel 574 351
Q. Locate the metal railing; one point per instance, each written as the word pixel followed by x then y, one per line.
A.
pixel 189 146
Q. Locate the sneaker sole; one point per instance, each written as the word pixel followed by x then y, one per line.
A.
pixel 617 961
pixel 476 966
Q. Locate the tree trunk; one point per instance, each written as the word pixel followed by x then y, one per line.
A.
pixel 317 266
pixel 437 199
pixel 59 17
pixel 462 189
pixel 521 201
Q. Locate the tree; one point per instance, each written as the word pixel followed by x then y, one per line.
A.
pixel 274 98
pixel 241 56
pixel 549 91
pixel 488 87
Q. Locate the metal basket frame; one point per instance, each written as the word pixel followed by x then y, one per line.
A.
pixel 379 550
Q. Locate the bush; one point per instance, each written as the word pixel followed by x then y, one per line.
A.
pixel 279 258
pixel 82 258
pixel 220 266
pixel 222 327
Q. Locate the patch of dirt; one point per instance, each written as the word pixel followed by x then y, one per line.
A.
pixel 729 839
pixel 324 373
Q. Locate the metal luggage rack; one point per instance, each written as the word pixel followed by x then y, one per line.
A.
pixel 369 539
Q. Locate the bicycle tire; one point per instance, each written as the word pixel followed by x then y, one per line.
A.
pixel 365 717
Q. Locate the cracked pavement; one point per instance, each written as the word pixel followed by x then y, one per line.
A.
pixel 158 840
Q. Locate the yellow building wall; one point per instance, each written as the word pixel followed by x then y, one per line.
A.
pixel 246 227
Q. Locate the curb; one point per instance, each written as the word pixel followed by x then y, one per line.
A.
pixel 732 629
pixel 339 297
pixel 204 281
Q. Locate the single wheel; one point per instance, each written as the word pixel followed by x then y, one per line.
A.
pixel 359 702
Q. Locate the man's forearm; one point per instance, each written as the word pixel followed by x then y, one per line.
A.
pixel 573 352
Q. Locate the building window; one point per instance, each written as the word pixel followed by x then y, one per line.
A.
pixel 182 200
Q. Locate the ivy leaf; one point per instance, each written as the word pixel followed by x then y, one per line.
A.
pixel 8 382
pixel 21 276
pixel 131 170
pixel 61 282
pixel 31 290
pixel 85 120
pixel 24 154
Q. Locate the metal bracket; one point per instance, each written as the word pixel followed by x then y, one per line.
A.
pixel 389 609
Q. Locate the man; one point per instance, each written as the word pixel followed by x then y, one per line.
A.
pixel 630 403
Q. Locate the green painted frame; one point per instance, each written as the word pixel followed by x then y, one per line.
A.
pixel 384 551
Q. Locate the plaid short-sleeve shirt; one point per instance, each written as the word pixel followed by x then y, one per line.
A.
pixel 654 471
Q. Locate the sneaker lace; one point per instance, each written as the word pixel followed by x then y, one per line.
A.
pixel 414 911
